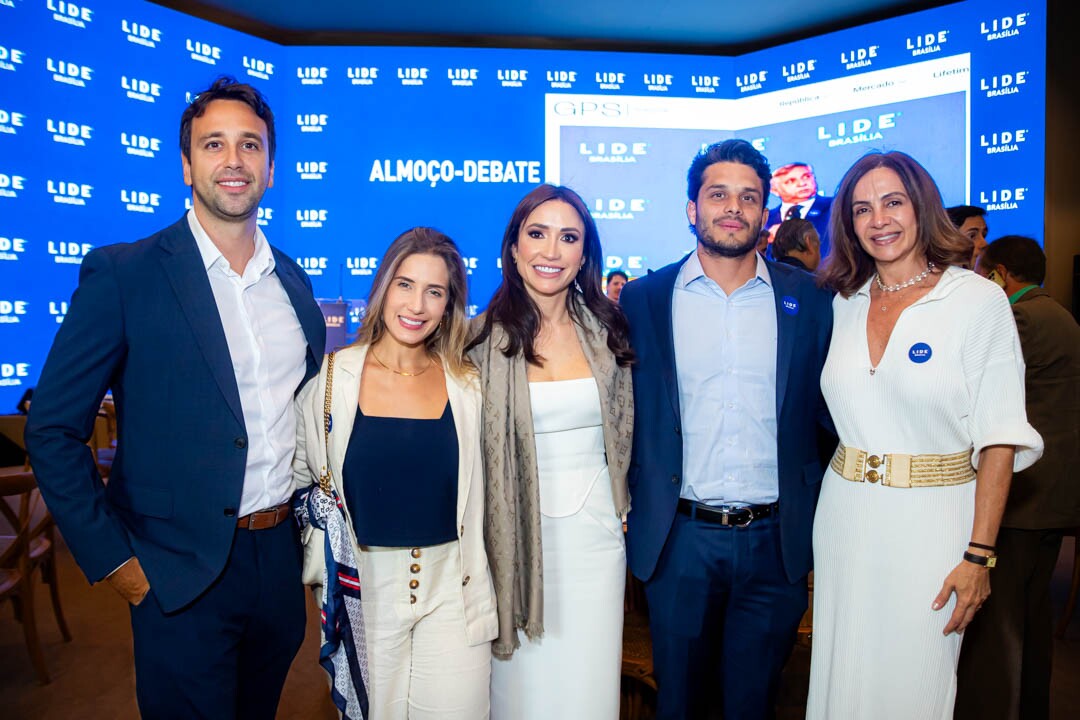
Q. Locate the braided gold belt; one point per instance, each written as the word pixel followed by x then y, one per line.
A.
pixel 903 471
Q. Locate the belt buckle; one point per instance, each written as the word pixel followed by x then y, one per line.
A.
pixel 751 519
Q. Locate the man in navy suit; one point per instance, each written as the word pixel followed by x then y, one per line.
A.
pixel 796 186
pixel 204 333
pixel 725 470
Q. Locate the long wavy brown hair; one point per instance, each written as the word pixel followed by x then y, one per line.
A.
pixel 448 340
pixel 848 266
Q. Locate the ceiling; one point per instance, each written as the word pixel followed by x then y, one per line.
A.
pixel 662 25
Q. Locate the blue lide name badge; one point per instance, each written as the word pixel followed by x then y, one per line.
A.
pixel 790 305
pixel 329 423
pixel 920 352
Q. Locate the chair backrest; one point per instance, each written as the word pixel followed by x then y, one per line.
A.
pixel 16 500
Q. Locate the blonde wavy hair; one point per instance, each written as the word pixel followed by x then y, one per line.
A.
pixel 449 339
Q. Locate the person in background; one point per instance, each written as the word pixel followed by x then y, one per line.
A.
pixel 1004 669
pixel 725 468
pixel 924 381
pixel 403 455
pixel 971 221
pixel 205 333
pixel 616 279
pixel 555 359
pixel 797 244
pixel 797 187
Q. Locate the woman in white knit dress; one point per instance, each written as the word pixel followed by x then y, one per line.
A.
pixel 925 383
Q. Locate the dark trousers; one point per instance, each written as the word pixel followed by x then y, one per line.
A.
pixel 1004 668
pixel 225 655
pixel 723 618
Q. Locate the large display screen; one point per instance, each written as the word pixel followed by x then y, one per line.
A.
pixel 374 140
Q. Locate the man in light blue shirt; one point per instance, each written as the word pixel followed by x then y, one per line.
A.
pixel 725 471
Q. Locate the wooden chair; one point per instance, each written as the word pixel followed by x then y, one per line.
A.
pixel 1074 589
pixel 15 565
pixel 43 555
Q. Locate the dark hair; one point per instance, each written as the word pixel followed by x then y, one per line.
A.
pixel 848 266
pixel 793 235
pixel 734 150
pixel 959 214
pixel 227 88
pixel 1020 255
pixel 611 275
pixel 448 340
pixel 513 309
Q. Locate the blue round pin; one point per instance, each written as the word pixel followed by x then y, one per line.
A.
pixel 790 305
pixel 920 352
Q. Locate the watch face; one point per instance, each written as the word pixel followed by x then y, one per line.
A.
pixel 991 561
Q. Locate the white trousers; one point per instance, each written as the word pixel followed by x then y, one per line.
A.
pixel 421 665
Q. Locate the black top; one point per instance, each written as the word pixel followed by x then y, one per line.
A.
pixel 401 478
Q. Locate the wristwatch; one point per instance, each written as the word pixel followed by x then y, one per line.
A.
pixel 987 561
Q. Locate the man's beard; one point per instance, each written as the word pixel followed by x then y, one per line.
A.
pixel 734 248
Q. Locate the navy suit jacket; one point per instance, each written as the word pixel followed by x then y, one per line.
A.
pixel 143 322
pixel 804 327
pixel 818 217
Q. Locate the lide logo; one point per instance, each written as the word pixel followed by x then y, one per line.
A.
pixel 657 82
pixel 859 130
pixel 312 75
pixel 311 122
pixel 1003 27
pixel 801 70
pixel 11 121
pixel 617 208
pixel 358 265
pixel 313 265
pixel 462 77
pixel 141 90
pixel 12 311
pixel 562 78
pixel 258 68
pixel 1003 141
pixel 1003 198
pixel 610 80
pixel 68 253
pixel 140 201
pixel 66 132
pixel 859 57
pixel 751 81
pixel 11 248
pixel 10 58
pixel 13 374
pixel 412 75
pixel 614 152
pixel 11 185
pixel 140 145
pixel 1004 84
pixel 202 52
pixel 66 192
pixel 511 77
pixel 58 310
pixel 311 218
pixel 70 13
pixel 140 34
pixel 311 169
pixel 927 43
pixel 362 75
pixel 69 73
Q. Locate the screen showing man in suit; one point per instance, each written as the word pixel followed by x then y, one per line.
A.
pixel 796 186
pixel 204 332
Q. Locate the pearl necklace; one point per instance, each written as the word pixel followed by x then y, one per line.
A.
pixel 907 283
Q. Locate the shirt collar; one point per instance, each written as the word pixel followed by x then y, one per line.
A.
pixel 692 271
pixel 261 263
pixel 1021 293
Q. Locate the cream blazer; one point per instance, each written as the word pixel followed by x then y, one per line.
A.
pixel 477 590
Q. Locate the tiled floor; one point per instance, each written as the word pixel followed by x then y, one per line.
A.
pixel 93 678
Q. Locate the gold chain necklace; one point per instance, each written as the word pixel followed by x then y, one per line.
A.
pixel 400 372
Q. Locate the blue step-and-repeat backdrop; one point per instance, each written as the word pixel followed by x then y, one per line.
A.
pixel 374 140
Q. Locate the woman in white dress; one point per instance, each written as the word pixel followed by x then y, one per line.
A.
pixel 925 383
pixel 558 419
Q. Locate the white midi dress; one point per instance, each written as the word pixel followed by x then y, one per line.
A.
pixel 951 379
pixel 573 671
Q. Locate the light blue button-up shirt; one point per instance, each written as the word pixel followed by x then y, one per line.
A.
pixel 725 358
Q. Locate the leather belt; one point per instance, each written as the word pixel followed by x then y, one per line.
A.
pixel 725 515
pixel 264 519
pixel 903 471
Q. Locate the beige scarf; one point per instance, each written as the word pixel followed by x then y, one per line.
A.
pixel 512 500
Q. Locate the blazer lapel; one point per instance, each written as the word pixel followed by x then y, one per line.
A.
pixel 307 310
pixel 787 324
pixel 345 398
pixel 660 310
pixel 184 267
pixel 463 405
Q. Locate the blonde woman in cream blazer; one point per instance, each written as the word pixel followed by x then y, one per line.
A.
pixel 428 610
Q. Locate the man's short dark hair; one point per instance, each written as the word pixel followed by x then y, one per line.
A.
pixel 1020 255
pixel 227 88
pixel 959 214
pixel 733 150
pixel 793 236
pixel 617 273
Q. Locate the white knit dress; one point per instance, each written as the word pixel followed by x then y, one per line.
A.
pixel 951 378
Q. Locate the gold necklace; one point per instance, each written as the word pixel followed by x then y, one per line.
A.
pixel 399 372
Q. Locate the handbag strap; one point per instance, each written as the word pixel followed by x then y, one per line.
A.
pixel 324 479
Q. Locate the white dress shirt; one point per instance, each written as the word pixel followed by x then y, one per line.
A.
pixel 268 351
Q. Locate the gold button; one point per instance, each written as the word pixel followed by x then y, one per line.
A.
pixel 414 568
pixel 412 599
pixel 872 476
pixel 873 461
pixel 465 581
pixel 413 584
pixel 416 551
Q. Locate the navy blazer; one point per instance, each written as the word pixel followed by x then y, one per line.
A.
pixel 818 217
pixel 144 322
pixel 804 327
